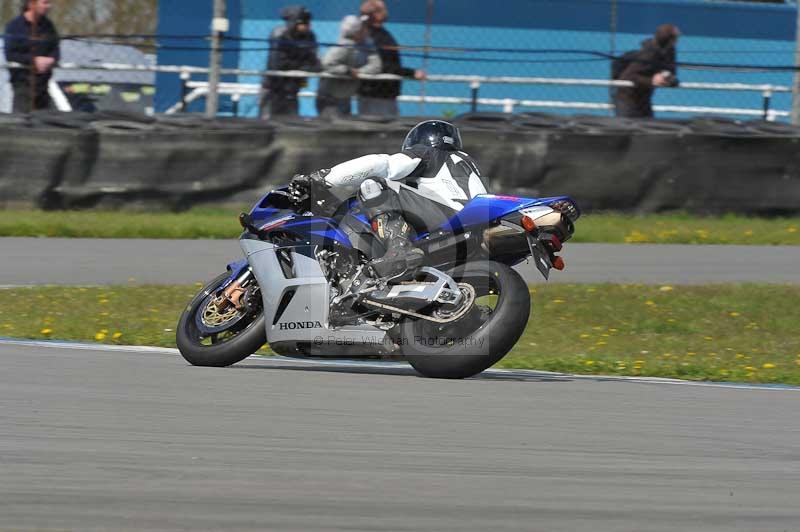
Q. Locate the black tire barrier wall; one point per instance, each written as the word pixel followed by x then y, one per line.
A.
pixel 704 166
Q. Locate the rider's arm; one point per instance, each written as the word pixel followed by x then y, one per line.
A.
pixel 352 173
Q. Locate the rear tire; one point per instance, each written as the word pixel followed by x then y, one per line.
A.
pixel 249 334
pixel 478 348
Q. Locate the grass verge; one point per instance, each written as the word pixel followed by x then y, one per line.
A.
pixel 223 223
pixel 744 333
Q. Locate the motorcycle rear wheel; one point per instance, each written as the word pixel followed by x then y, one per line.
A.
pixel 244 336
pixel 479 339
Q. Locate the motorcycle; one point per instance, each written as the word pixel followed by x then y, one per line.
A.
pixel 306 286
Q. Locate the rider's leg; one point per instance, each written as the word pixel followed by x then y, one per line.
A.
pixel 382 207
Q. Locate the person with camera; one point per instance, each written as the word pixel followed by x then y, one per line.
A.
pixel 652 67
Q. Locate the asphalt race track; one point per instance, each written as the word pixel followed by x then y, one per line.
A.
pixel 114 440
pixel 102 438
pixel 26 261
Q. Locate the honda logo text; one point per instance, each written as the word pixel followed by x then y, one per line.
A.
pixel 292 325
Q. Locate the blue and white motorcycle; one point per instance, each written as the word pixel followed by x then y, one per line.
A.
pixel 306 286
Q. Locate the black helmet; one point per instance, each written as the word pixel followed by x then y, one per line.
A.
pixel 434 133
pixel 295 14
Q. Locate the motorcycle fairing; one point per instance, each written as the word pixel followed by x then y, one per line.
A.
pixel 296 303
pixel 488 208
pixel 350 229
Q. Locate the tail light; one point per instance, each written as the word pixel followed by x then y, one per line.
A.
pixel 568 208
pixel 555 243
pixel 558 263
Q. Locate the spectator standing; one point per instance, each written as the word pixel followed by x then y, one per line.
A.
pixel 353 56
pixel 380 97
pixel 31 39
pixel 654 66
pixel 293 46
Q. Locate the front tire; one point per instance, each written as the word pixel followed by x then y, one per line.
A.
pixel 246 334
pixel 479 339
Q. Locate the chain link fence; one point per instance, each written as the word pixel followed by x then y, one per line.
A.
pixel 750 43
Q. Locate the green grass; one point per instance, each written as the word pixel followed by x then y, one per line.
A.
pixel 687 229
pixel 744 333
pixel 223 223
pixel 195 223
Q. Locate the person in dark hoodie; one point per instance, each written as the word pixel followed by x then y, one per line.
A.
pixel 31 40
pixel 654 66
pixel 376 97
pixel 293 46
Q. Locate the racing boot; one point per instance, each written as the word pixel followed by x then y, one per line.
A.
pixel 401 256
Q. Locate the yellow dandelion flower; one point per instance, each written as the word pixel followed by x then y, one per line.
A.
pixel 650 303
pixel 709 338
pixel 733 314
pixel 666 289
pixel 103 301
pixel 749 368
pixel 584 335
pixel 739 355
pixel 117 335
pixel 636 237
pixel 558 301
pixel 46 331
pixel 100 336
pixel 768 365
pixel 589 362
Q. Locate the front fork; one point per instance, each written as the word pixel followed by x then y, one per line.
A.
pixel 232 294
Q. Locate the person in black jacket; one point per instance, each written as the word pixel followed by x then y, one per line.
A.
pixel 654 66
pixel 380 97
pixel 293 46
pixel 31 39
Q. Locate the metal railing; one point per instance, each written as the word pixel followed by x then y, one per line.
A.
pixel 192 90
pixel 195 90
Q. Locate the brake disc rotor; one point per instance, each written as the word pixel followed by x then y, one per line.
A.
pixel 212 320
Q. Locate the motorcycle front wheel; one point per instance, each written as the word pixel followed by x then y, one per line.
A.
pixel 500 307
pixel 210 336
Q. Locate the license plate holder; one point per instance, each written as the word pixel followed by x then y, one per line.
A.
pixel 541 258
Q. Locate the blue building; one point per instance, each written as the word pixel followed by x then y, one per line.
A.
pixel 540 38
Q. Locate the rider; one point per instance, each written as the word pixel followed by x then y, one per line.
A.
pixel 421 187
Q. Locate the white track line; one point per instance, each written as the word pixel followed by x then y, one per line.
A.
pixel 371 364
